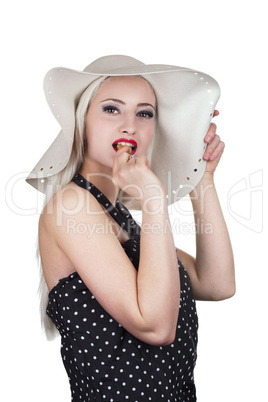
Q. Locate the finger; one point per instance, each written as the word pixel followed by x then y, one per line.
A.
pixel 143 160
pixel 211 133
pixel 218 151
pixel 132 160
pixel 123 150
pixel 121 156
pixel 211 147
pixel 216 113
pixel 120 159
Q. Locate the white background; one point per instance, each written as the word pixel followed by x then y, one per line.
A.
pixel 226 39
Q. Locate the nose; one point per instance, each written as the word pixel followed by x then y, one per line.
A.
pixel 128 125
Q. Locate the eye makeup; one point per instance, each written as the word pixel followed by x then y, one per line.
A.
pixel 110 109
pixel 145 104
pixel 147 114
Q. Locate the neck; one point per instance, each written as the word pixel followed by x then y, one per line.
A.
pixel 101 177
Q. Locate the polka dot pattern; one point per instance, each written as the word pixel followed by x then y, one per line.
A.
pixel 105 362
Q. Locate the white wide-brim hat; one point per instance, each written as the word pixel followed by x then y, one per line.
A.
pixel 186 100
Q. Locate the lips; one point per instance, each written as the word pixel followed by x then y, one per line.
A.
pixel 123 141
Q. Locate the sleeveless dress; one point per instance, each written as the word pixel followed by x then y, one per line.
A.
pixel 104 362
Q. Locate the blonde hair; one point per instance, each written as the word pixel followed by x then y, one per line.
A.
pixel 64 177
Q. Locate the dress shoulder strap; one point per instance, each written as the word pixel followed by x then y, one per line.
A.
pixel 121 215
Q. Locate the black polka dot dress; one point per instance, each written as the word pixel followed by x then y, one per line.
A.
pixel 104 362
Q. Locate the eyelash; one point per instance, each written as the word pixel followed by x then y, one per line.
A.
pixel 146 114
pixel 110 109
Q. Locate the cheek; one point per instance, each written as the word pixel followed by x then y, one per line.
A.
pixel 93 141
pixel 148 135
pixel 95 132
pixel 99 144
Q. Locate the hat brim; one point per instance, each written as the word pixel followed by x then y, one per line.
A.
pixel 186 102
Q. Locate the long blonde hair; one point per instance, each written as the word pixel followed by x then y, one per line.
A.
pixel 64 177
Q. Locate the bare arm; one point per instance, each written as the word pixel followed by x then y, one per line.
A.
pixel 158 282
pixel 146 302
pixel 212 272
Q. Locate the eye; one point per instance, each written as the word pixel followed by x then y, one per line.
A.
pixel 110 109
pixel 146 114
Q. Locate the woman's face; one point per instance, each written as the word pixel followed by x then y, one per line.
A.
pixel 123 110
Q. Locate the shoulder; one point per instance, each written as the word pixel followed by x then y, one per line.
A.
pixel 69 203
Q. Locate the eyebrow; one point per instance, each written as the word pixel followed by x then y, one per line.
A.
pixel 123 103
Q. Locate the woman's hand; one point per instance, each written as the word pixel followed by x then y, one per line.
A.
pixel 214 149
pixel 134 176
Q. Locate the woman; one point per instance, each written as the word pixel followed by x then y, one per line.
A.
pixel 119 294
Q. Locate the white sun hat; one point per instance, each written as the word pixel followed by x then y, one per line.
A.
pixel 186 100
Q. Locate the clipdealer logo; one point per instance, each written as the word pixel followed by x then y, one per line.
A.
pixel 245 201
